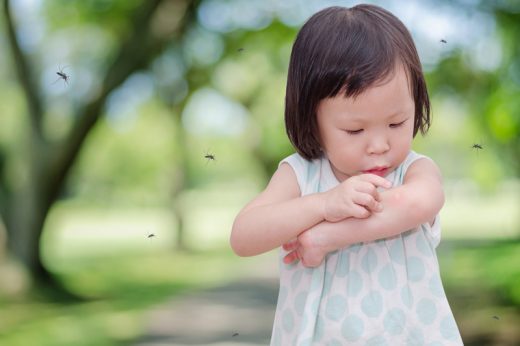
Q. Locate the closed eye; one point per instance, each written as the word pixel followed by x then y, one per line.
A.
pixel 354 132
pixel 397 124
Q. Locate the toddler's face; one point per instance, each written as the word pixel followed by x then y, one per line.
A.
pixel 371 133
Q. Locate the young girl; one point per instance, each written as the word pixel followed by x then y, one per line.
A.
pixel 356 210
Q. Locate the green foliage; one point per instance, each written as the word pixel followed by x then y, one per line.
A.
pixel 109 14
pixel 139 158
pixel 132 160
pixel 482 280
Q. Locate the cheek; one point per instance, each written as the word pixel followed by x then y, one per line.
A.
pixel 407 135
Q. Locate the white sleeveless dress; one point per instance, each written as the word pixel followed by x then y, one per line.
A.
pixel 385 292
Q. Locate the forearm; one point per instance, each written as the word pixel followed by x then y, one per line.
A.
pixel 402 210
pixel 263 228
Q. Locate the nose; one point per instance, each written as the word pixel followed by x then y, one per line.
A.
pixel 378 145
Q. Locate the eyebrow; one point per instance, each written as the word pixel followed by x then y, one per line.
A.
pixel 359 119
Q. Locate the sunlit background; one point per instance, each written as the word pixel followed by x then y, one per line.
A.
pixel 183 104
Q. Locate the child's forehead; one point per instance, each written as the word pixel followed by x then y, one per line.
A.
pixel 389 100
pixel 396 80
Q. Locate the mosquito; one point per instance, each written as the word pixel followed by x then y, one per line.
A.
pixel 477 147
pixel 443 41
pixel 235 334
pixel 151 235
pixel 240 50
pixel 62 75
pixel 209 157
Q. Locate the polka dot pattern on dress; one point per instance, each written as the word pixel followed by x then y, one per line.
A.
pixel 386 292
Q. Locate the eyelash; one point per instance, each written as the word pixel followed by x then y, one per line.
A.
pixel 393 126
pixel 397 125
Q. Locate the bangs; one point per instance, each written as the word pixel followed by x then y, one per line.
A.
pixel 347 50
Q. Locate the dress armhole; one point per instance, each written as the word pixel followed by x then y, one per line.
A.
pixel 298 164
pixel 432 231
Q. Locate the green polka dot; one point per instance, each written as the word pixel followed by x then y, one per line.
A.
pixel 296 278
pixel 449 328
pixel 435 285
pixel 426 311
pixel 394 321
pixel 407 297
pixel 369 261
pixel 299 302
pixel 303 322
pixel 352 328
pixel 319 330
pixel 336 307
pixel 287 320
pixel 397 251
pixel 372 304
pixel 282 295
pixel 387 278
pixel 415 337
pixel 422 245
pixel 415 269
pixel 343 264
pixel 329 278
pixel 377 340
pixel 315 306
pixel 354 283
pixel 334 342
pixel 317 280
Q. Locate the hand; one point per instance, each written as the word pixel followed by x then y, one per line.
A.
pixel 304 249
pixel 355 197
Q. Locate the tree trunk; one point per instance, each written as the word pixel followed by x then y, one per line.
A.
pixel 25 207
pixel 181 182
pixel 25 226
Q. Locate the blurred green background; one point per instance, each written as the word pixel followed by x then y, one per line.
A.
pixel 109 204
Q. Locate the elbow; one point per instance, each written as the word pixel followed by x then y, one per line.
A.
pixel 236 246
pixel 238 243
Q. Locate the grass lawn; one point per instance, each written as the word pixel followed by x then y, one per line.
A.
pixel 482 282
pixel 119 289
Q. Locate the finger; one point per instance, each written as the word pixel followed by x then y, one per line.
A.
pixel 368 188
pixel 360 212
pixel 368 201
pixel 290 245
pixel 291 258
pixel 376 180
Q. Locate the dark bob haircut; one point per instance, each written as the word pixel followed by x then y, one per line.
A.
pixel 347 50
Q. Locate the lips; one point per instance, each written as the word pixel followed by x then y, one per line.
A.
pixel 380 171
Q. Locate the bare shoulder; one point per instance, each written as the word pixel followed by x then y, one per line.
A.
pixel 283 186
pixel 284 181
pixel 423 169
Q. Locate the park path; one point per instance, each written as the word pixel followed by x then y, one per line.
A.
pixel 239 313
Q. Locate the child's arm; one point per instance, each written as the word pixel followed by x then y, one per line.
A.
pixel 280 214
pixel 417 201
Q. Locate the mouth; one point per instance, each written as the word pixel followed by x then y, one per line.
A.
pixel 380 171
